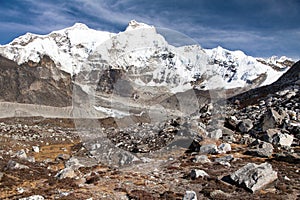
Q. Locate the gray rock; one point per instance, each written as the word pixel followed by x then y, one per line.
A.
pixel 290 94
pixel 219 194
pixel 224 163
pixel 254 177
pixel 66 173
pixel 224 147
pixel 209 149
pixel 228 158
pixel 245 125
pixel 228 138
pixel 233 121
pixel 77 162
pixel 196 173
pixel 63 156
pixel 21 154
pixel 283 139
pixel 263 149
pixel 286 178
pixel 216 134
pixel 190 195
pixel 31 159
pixel 269 135
pixel 201 159
pixel 14 165
pixel 227 132
pixel 271 119
pixel 36 149
pixel 34 197
pixel 247 139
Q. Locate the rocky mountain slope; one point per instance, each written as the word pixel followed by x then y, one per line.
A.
pixel 287 80
pixel 35 83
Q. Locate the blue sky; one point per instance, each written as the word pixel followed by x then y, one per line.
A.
pixel 258 27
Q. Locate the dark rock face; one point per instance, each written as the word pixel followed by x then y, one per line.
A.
pixel 35 83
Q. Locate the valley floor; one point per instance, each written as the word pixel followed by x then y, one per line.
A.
pixel 35 154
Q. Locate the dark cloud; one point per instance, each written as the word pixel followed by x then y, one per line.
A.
pixel 258 27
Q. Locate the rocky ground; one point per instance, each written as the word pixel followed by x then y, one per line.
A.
pixel 247 148
pixel 255 154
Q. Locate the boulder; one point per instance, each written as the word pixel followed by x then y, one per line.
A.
pixel 219 194
pixel 245 125
pixel 254 177
pixel 196 173
pixel 229 138
pixel 66 173
pixel 271 119
pixel 228 135
pixel 224 147
pixel 209 149
pixel 216 134
pixel 14 165
pixel 232 121
pixel 201 159
pixel 269 134
pixel 75 162
pixel 247 139
pixel 190 195
pixel 36 149
pixel 263 149
pixel 21 154
pixel 283 139
pixel 228 158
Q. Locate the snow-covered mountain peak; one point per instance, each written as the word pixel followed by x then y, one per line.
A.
pixel 66 47
pixel 142 47
pixel 24 39
pixel 237 67
pixel 79 26
pixel 221 54
pixel 132 25
pixel 276 59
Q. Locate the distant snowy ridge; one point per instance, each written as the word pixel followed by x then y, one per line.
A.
pixel 236 67
pixel 70 49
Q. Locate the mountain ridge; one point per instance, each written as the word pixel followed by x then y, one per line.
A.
pixel 69 48
pixel 147 70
